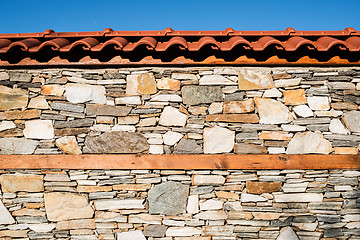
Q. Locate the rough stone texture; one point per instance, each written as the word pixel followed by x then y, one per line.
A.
pixel 117 142
pixel 299 197
pixel 318 103
pixel 17 146
pixel 193 95
pixel 218 140
pixel 337 127
pixel 105 110
pixel 168 198
pixel 309 142
pixel 39 129
pixel 303 111
pixel 252 80
pixel 294 97
pixel 172 117
pixel 66 206
pixel 352 121
pixel 272 111
pixel 81 93
pixel 27 114
pixel 246 148
pixel 140 84
pixel 287 234
pixel 168 84
pixel 5 216
pixel 233 118
pixel 171 138
pixel 68 144
pixel 187 146
pixel 263 187
pixel 12 98
pixel 38 102
pixel 239 106
pixel 215 80
pixel 131 235
pixel 113 204
pixel 11 183
pixel 154 231
pixel 52 89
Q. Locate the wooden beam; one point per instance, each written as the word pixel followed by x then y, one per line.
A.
pixel 178 161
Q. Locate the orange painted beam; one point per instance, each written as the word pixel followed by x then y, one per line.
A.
pixel 179 161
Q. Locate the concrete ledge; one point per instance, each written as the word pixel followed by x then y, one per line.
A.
pixel 223 161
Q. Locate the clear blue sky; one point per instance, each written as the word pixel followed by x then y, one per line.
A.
pixel 77 15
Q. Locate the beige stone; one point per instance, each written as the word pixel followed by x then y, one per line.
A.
pixel 215 80
pixel 128 120
pixel 207 180
pixel 12 98
pixel 239 215
pixel 140 84
pixel 38 102
pixel 215 107
pixel 318 103
pixel 76 224
pixel 68 144
pixel 196 110
pixel 168 84
pixel 4 234
pixel 145 218
pixel 265 216
pixel 218 140
pixel 172 117
pixel 53 89
pixel 239 106
pixel 337 127
pixel 21 183
pixel 252 80
pixel 211 215
pixel 272 111
pixel 275 135
pixel 287 82
pixel 81 93
pixel 26 114
pixel 227 195
pixel 309 142
pixel 39 129
pixel 263 187
pixel 89 189
pixel 294 97
pixel 131 235
pixel 66 206
pixel 28 212
pixel 5 125
pixel 132 187
pixel 346 150
pixel 233 118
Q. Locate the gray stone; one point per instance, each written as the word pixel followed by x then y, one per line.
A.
pixel 328 218
pixel 20 77
pixel 5 216
pixel 193 95
pixel 187 146
pixel 287 234
pixel 86 122
pixel 106 110
pixel 17 146
pixel 117 142
pixel 333 232
pixel 237 96
pixel 154 231
pixel 352 121
pixel 245 148
pixel 168 198
pixel 64 106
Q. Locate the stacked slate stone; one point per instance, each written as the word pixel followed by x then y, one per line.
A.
pixel 180 110
pixel 179 204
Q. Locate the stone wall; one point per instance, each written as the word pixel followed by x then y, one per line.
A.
pixel 179 205
pixel 180 110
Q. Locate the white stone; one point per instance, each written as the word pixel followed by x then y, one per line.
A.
pixel 171 138
pixel 353 225
pixel 5 125
pixel 337 127
pixel 184 76
pixel 272 93
pixel 81 93
pixel 309 142
pixel 128 100
pixel 287 234
pixel 211 204
pixel 216 80
pixel 299 197
pixel 215 107
pixel 156 149
pixel 131 235
pixel 39 129
pixel 276 150
pixel 38 102
pixel 211 215
pixel 166 98
pixel 44 227
pixel 111 81
pixel 331 113
pixel 287 82
pixel 112 204
pixel 218 140
pixel 246 197
pixel 208 180
pixel 272 111
pixel 124 128
pixel 318 103
pixel 5 216
pixel 101 128
pixel 295 187
pixel 182 231
pixel 172 117
pixel 351 218
pixel 193 204
pixel 303 111
pixel 293 128
pixel 225 71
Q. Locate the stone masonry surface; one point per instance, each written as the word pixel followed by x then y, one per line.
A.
pixel 192 110
pixel 179 204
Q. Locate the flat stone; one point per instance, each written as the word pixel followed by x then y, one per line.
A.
pixel 216 107
pixel 216 80
pixel 76 224
pixel 136 100
pixel 263 187
pixel 131 235
pixel 81 93
pixel 21 115
pixel 52 89
pixel 352 121
pixel 128 120
pixel 251 80
pixel 172 117
pixel 184 76
pixel 341 85
pixel 318 103
pixel 293 128
pixel 303 111
pixel 11 183
pixel 69 107
pixel 182 232
pixel 239 106
pixel 233 118
pixel 294 97
pixel 309 142
pixel 168 198
pixel 211 215
pixel 337 127
pixel 117 142
pixel 306 226
pixel 193 204
pixel 187 146
pixel 140 84
pixel 10 234
pixel 5 216
pixel 211 204
pixel 299 197
pixel 68 144
pixel 113 204
pixel 331 113
pixel 287 82
pixel 246 148
pixel 344 106
pixel 70 126
pixel 218 140
pixel 272 111
pixel 38 102
pixel 153 231
pixel 39 129
pixel 246 197
pixel 166 98
pixel 275 135
pixel 20 77
pixel 208 180
pixel 12 98
pixel 171 138
pixel 4 76
pixel 66 206
pixel 5 125
pixel 168 84
pixel 265 216
pixel 272 93
pixel 106 110
pixel 346 150
pixel 194 95
pixel 196 110
pixel 287 234
pixel 17 146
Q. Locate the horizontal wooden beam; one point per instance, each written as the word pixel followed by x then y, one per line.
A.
pixel 178 161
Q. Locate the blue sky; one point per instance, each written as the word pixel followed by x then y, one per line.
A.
pixel 90 15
